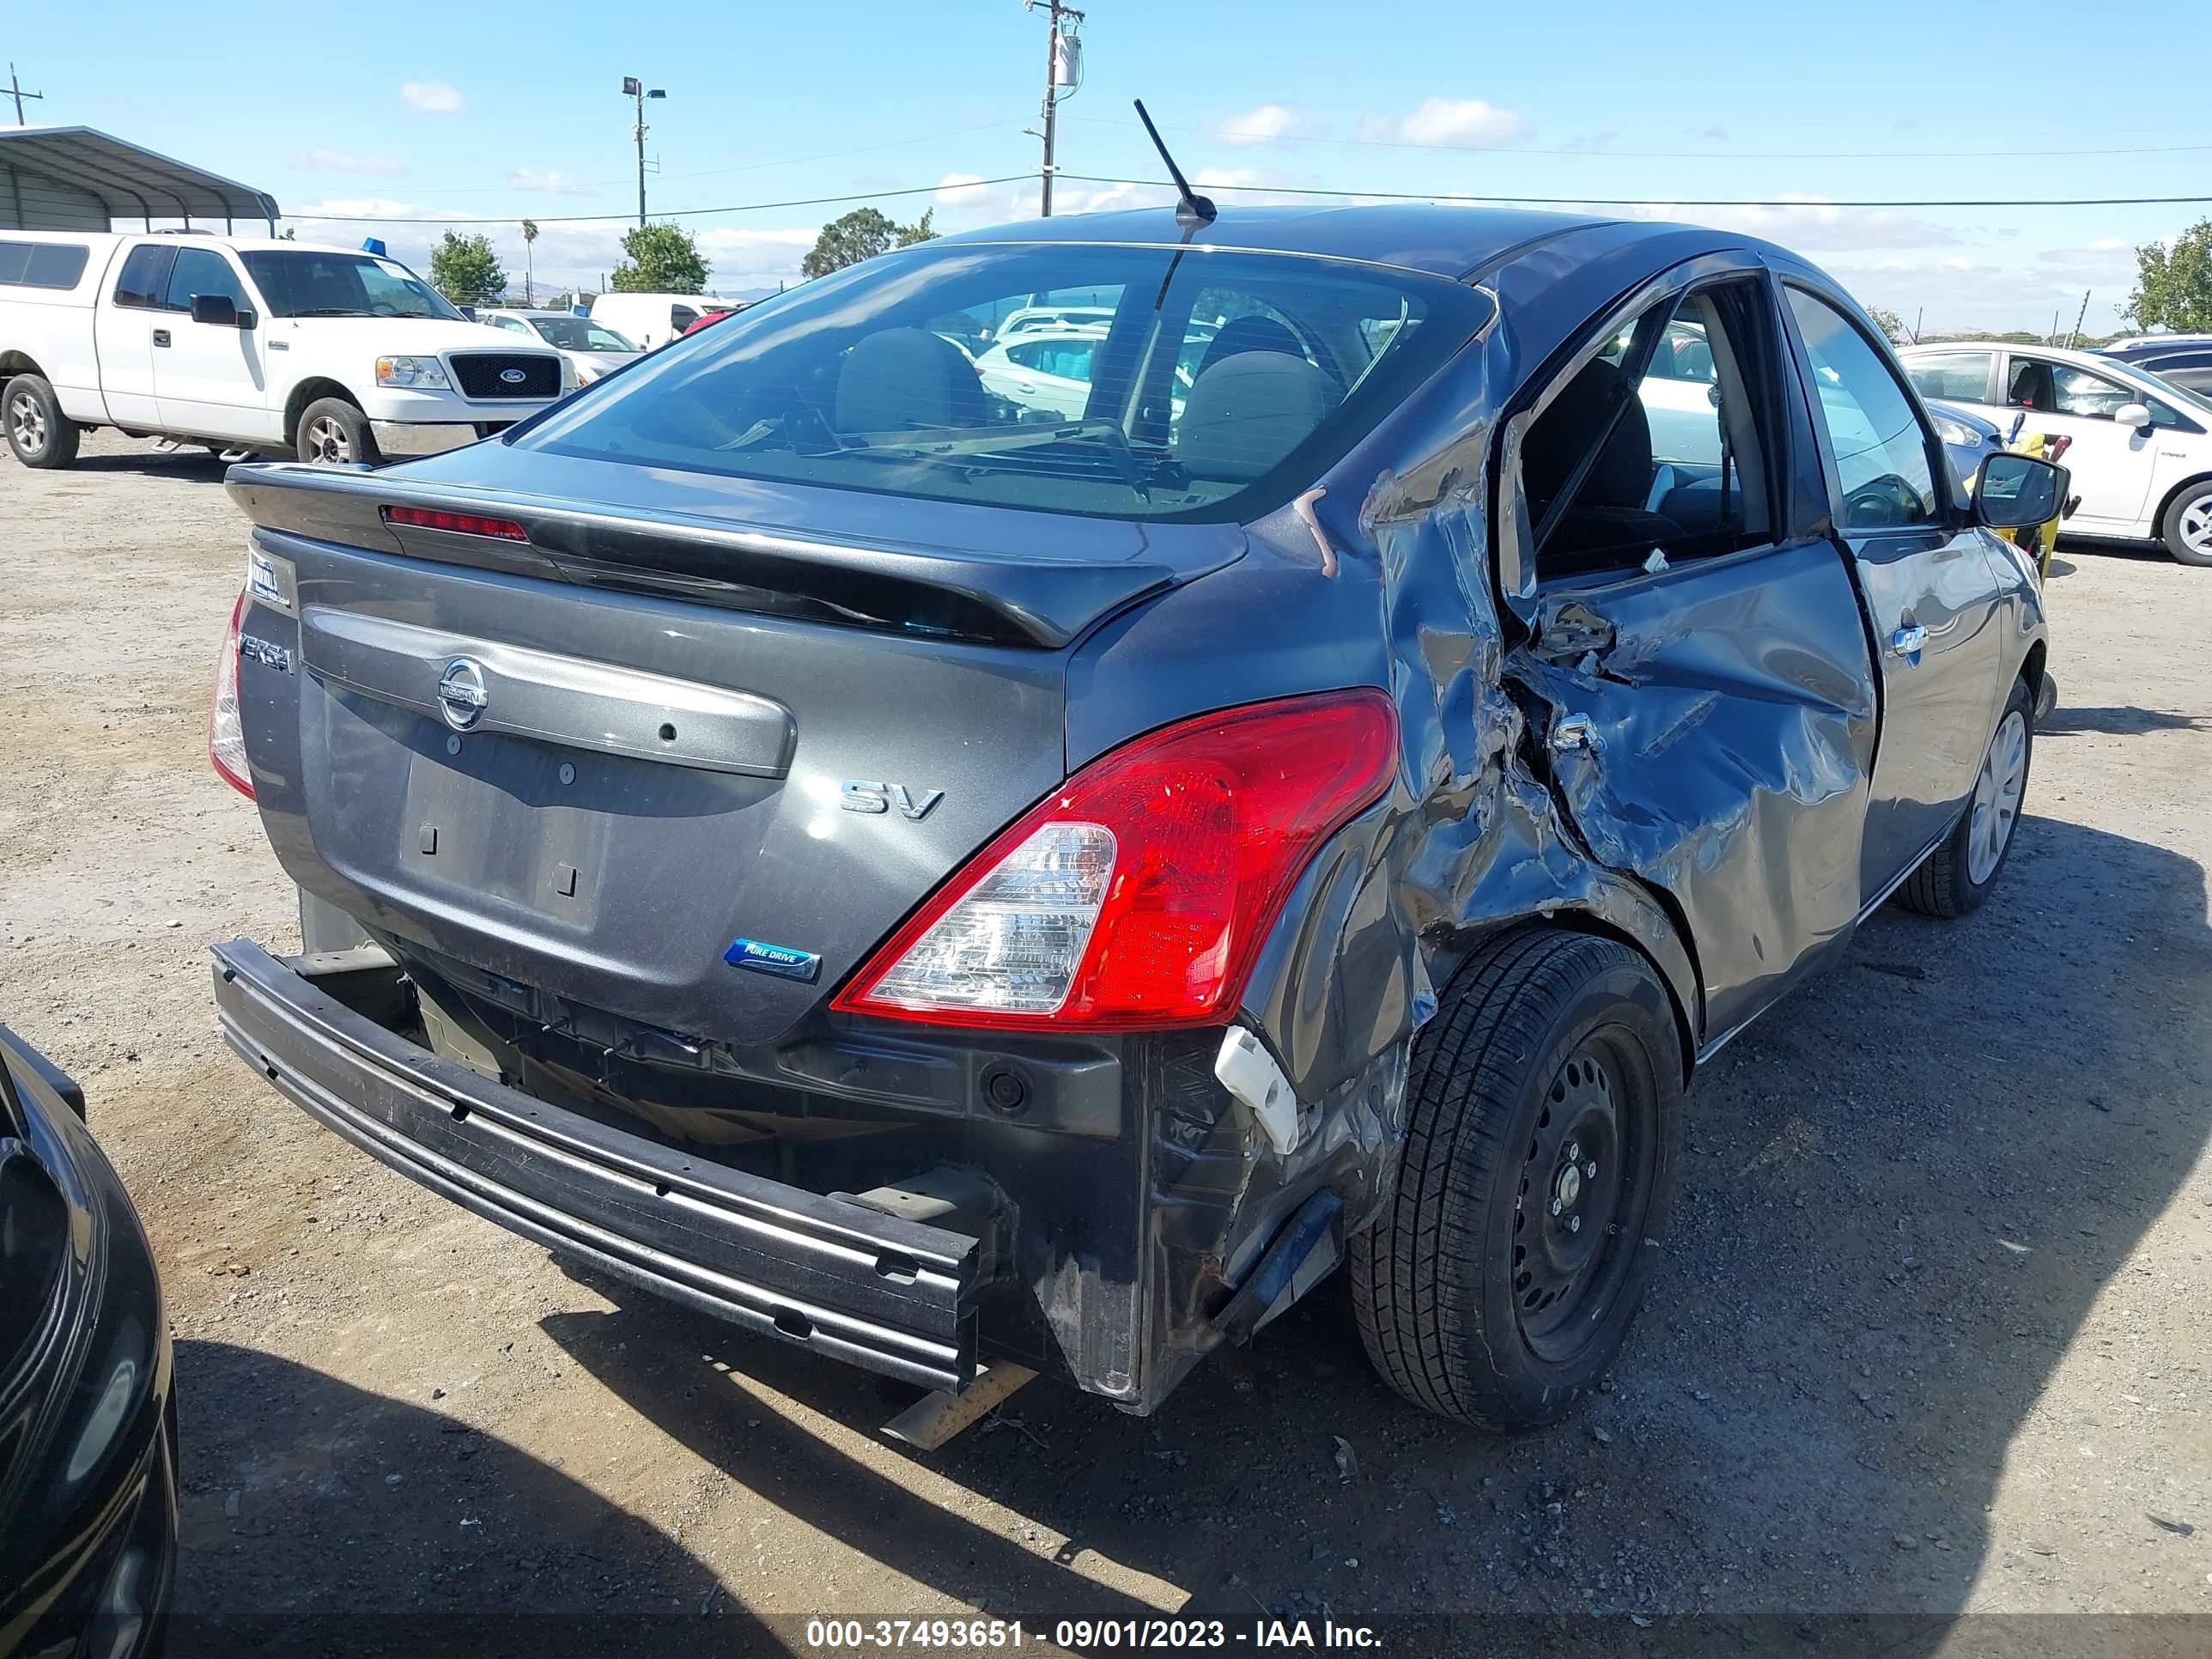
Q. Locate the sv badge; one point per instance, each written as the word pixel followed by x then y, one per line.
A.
pixel 862 797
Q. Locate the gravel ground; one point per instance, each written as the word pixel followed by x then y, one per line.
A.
pixel 1931 1340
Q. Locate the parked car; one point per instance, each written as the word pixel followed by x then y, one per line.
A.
pixel 2142 450
pixel 654 320
pixel 1027 318
pixel 2182 359
pixel 242 344
pixel 1967 438
pixel 87 1417
pixel 592 348
pixel 918 883
pixel 1044 369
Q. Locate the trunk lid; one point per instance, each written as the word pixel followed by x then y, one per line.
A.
pixel 687 714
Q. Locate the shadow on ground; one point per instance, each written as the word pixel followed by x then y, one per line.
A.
pixel 2122 722
pixel 316 1518
pixel 1904 1192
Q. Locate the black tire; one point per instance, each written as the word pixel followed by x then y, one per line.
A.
pixel 1946 884
pixel 2186 528
pixel 38 434
pixel 1475 1300
pixel 332 431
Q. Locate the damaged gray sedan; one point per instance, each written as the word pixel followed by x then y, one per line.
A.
pixel 931 878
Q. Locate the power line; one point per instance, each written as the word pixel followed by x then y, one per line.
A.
pixel 1663 201
pixel 1446 197
pixel 674 213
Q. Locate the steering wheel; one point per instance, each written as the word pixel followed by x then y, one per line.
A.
pixel 1884 503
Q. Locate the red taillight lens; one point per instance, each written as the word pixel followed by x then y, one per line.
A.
pixel 1138 895
pixel 226 733
pixel 461 524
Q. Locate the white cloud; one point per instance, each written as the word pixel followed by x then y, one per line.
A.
pixel 1958 294
pixel 1462 122
pixel 432 96
pixel 1257 126
pixel 552 183
pixel 355 206
pixel 320 160
pixel 1808 224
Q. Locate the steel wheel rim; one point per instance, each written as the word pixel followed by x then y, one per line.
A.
pixel 326 440
pixel 27 422
pixel 1996 797
pixel 1585 1185
pixel 2197 525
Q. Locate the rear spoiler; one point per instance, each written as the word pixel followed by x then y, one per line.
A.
pixel 1045 603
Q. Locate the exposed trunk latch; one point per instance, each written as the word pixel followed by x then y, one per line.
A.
pixel 1249 1072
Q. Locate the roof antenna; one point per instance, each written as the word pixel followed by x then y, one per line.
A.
pixel 1192 209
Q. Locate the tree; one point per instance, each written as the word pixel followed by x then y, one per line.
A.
pixel 660 259
pixel 1891 324
pixel 2173 285
pixel 465 271
pixel 529 264
pixel 861 235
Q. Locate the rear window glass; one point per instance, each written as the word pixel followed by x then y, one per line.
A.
pixel 1115 381
pixel 42 265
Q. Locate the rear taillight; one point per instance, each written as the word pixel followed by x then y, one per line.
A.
pixel 226 736
pixel 459 524
pixel 1137 896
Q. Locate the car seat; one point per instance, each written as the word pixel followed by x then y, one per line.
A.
pixel 907 377
pixel 1608 523
pixel 1249 410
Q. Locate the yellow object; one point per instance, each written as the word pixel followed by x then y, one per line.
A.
pixel 2045 536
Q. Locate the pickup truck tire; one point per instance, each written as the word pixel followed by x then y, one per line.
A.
pixel 38 434
pixel 1954 879
pixel 2187 527
pixel 1544 1118
pixel 332 433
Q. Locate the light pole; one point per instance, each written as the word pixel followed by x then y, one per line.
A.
pixel 636 89
pixel 1063 67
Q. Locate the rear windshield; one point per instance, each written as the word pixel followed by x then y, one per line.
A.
pixel 1133 383
pixel 579 334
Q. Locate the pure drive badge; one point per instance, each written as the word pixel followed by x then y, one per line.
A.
pixel 778 959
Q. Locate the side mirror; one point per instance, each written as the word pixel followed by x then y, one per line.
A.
pixel 2133 415
pixel 220 311
pixel 2012 492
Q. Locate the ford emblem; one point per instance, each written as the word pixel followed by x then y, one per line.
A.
pixel 461 693
pixel 512 376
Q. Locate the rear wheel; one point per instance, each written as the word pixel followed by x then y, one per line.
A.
pixel 1961 873
pixel 38 434
pixel 2188 525
pixel 1539 1170
pixel 334 433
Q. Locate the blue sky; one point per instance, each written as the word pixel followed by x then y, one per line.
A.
pixel 406 111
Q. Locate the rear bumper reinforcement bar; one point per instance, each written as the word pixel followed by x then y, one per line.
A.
pixel 848 1281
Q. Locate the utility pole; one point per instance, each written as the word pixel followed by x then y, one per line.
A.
pixel 1063 67
pixel 635 89
pixel 15 91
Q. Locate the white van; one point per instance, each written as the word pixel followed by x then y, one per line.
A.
pixel 243 344
pixel 655 319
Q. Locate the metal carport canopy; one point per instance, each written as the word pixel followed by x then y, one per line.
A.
pixel 130 182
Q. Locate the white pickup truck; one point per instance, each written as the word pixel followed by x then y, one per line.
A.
pixel 243 345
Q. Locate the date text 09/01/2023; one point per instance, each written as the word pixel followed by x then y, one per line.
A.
pixel 1082 1635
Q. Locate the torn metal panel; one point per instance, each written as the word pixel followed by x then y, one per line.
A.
pixel 1731 730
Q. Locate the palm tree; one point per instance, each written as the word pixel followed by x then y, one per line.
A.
pixel 529 235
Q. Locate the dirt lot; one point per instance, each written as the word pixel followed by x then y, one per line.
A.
pixel 1932 1340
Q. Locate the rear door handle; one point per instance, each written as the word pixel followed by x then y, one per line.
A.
pixel 1908 643
pixel 161 336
